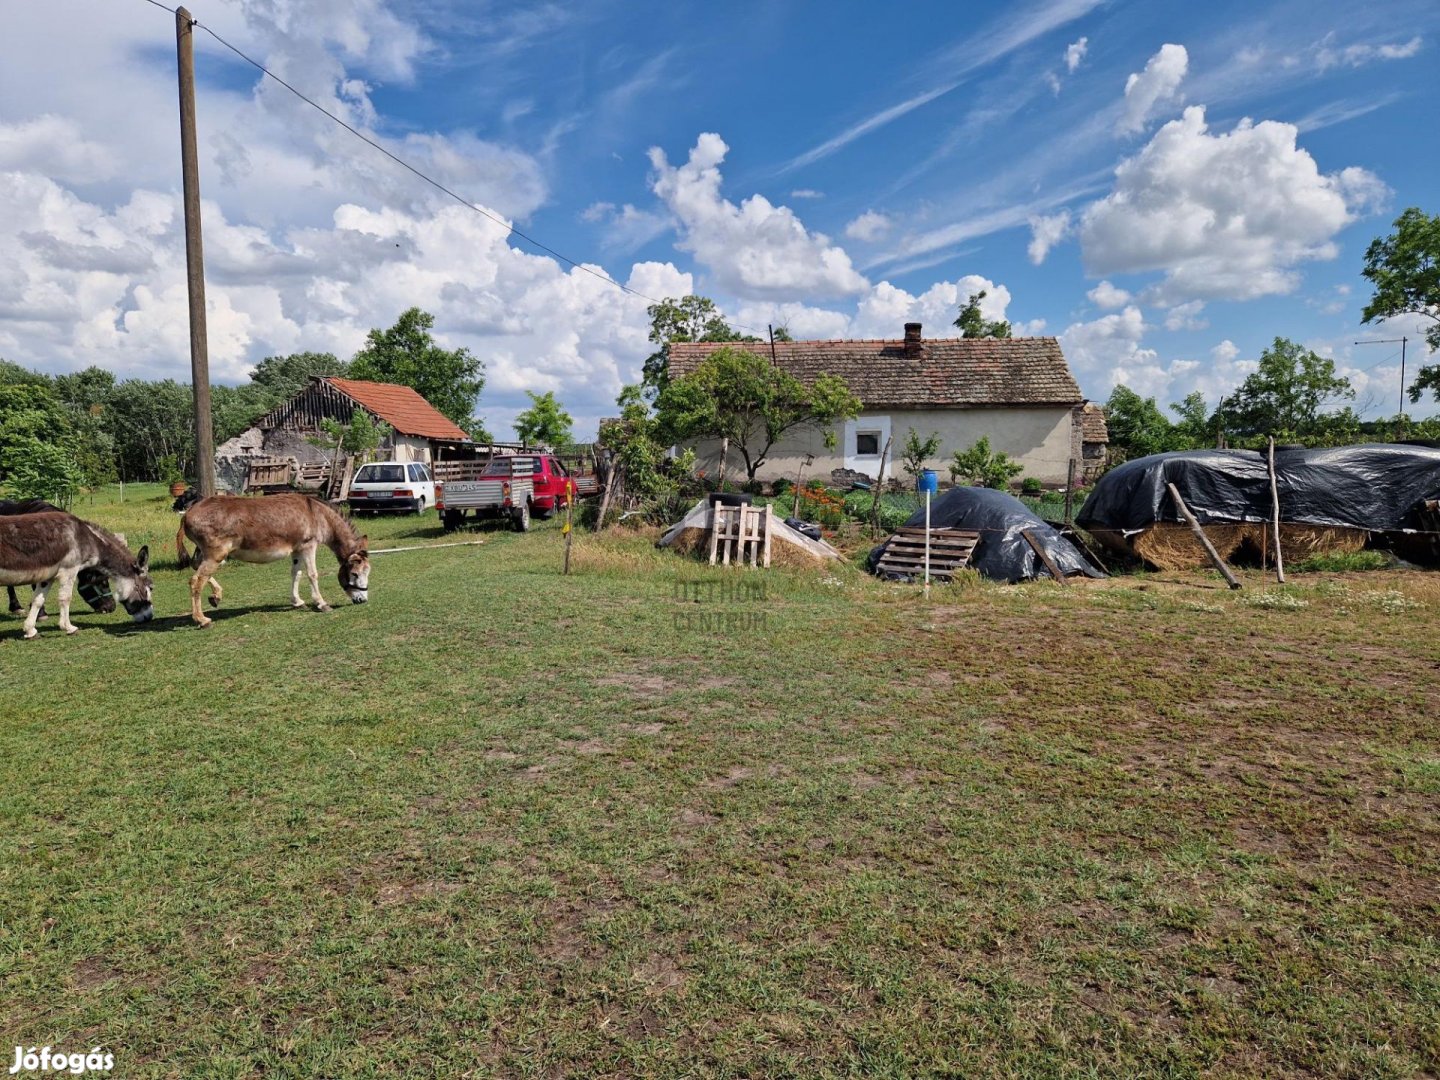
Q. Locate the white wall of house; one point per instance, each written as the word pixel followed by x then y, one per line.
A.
pixel 1041 439
pixel 408 448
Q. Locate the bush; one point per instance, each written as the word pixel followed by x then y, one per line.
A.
pixel 780 487
pixel 40 470
pixel 1031 486
pixel 1342 561
pixel 980 465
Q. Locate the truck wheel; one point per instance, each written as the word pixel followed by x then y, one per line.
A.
pixel 522 518
pixel 545 513
pixel 420 505
pixel 451 519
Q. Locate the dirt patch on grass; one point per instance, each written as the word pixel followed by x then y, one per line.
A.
pixel 407 892
pixel 694 819
pixel 92 972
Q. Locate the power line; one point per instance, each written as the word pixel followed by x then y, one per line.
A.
pixel 428 179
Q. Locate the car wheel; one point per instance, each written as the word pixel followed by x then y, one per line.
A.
pixel 420 505
pixel 452 519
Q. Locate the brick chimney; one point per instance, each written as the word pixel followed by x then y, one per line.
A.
pixel 914 344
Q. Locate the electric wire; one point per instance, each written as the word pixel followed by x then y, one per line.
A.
pixel 510 228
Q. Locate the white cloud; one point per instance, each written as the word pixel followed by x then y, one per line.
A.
pixel 1108 346
pixel 755 250
pixel 1075 53
pixel 1158 84
pixel 1186 316
pixel 1227 215
pixel 1106 296
pixel 806 193
pixel 626 229
pixel 1045 232
pixel 868 227
pixel 1327 55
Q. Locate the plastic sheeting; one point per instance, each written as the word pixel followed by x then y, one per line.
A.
pixel 1377 486
pixel 1002 553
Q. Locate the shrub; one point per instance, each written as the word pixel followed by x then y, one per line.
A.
pixel 780 487
pixel 40 470
pixel 984 467
pixel 1031 486
pixel 917 451
pixel 1341 561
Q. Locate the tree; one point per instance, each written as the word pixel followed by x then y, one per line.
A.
pixel 980 466
pixel 1286 395
pixel 917 451
pixel 974 325
pixel 1196 426
pixel 691 318
pixel 1137 426
pixel 1404 267
pixel 545 423
pixel 281 377
pixel 361 436
pixel 738 395
pixel 37 444
pixel 450 379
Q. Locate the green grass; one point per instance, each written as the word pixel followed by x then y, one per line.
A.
pixel 1345 561
pixel 503 822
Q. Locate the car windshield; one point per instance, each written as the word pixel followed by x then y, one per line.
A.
pixel 380 474
pixel 501 466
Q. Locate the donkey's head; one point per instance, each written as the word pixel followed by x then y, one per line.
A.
pixel 355 571
pixel 133 587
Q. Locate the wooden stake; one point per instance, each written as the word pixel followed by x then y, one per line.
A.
pixel 1275 502
pixel 1190 520
pixel 724 453
pixel 1044 557
pixel 569 513
pixel 879 490
pixel 617 471
pixel 1070 496
pixel 194 257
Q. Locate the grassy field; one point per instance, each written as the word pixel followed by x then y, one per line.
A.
pixel 658 820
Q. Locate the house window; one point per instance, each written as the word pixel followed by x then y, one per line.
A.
pixel 867 444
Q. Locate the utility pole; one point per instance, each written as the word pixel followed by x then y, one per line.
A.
pixel 1401 341
pixel 194 256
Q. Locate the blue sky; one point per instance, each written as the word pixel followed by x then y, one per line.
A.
pixel 1165 187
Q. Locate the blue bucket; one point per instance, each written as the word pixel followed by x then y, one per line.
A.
pixel 928 480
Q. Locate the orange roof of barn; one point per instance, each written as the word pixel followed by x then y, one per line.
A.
pixel 933 373
pixel 400 407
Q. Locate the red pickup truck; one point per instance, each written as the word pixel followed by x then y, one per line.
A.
pixel 513 485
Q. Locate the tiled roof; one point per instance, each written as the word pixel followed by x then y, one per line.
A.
pixel 400 407
pixel 1093 428
pixel 943 373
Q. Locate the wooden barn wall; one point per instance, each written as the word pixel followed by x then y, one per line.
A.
pixel 303 412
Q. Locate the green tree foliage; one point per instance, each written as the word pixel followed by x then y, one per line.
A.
pixel 151 421
pixel 406 353
pixel 1404 267
pixel 638 445
pixel 38 444
pixel 741 396
pixel 974 325
pixel 691 318
pixel 917 451
pixel 980 466
pixel 362 435
pixel 1137 426
pixel 1286 397
pixel 545 423
pixel 282 377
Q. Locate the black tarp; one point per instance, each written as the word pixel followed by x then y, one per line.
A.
pixel 1002 553
pixel 1377 486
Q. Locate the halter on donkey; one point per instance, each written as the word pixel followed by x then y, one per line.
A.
pixel 54 547
pixel 267 530
pixel 94 586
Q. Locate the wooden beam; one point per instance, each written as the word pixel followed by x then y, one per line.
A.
pixel 1215 559
pixel 1044 557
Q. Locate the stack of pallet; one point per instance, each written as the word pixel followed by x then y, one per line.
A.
pixel 740 534
pixel 950 550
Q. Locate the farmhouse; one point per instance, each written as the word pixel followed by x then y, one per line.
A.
pixel 1017 392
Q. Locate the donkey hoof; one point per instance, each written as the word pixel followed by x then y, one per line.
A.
pixel 31 634
pixel 72 629
pixel 323 607
pixel 203 623
pixel 214 601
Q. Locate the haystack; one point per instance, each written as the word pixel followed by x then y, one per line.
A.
pixel 1299 542
pixel 1169 545
pixel 691 534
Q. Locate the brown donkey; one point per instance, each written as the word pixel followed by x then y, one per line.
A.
pixel 267 529
pixel 42 549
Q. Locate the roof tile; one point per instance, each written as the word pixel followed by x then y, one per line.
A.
pixel 946 373
pixel 401 407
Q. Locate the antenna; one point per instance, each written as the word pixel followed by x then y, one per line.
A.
pixel 1400 416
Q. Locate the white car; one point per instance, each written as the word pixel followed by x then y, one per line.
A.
pixel 392 485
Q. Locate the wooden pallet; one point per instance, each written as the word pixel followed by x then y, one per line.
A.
pixel 740 533
pixel 313 476
pixel 950 550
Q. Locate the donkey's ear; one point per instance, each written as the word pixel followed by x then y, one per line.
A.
pixel 143 559
pixel 364 543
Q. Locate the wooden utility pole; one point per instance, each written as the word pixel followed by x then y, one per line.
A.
pixel 194 256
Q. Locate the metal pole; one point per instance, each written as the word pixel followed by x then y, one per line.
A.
pixel 569 505
pixel 927 541
pixel 194 256
pixel 1400 416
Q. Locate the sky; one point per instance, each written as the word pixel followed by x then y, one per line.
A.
pixel 1165 187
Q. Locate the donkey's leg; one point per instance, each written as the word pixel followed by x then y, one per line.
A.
pixel 314 575
pixel 297 567
pixel 37 603
pixel 208 566
pixel 216 592
pixel 67 588
pixel 15 607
